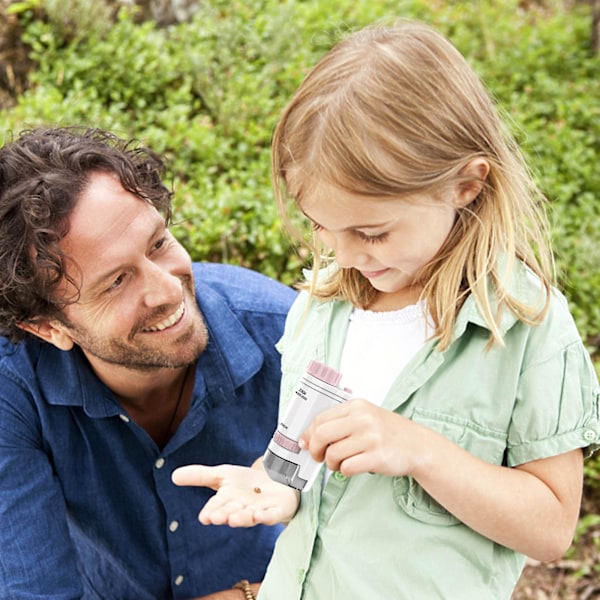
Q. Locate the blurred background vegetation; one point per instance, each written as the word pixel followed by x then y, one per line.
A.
pixel 203 82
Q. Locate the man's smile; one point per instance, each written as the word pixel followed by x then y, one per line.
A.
pixel 169 321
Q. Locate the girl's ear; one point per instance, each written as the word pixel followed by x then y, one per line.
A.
pixel 52 332
pixel 476 172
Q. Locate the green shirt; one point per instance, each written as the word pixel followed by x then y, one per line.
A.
pixel 371 536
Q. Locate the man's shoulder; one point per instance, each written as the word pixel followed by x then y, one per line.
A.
pixel 20 352
pixel 243 288
pixel 18 361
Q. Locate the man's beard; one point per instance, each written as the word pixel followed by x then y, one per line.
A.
pixel 140 357
pixel 186 350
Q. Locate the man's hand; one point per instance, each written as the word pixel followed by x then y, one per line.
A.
pixel 246 496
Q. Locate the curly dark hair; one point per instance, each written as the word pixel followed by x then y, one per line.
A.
pixel 42 174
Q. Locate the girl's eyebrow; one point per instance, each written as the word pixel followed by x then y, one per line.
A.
pixel 352 227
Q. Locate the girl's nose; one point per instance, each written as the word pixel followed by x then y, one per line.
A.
pixel 348 253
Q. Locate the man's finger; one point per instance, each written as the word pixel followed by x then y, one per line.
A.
pixel 197 475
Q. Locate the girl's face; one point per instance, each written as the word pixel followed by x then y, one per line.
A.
pixel 388 240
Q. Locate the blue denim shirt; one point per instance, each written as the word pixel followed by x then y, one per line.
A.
pixel 87 506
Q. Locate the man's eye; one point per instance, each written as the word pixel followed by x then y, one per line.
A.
pixel 159 243
pixel 117 283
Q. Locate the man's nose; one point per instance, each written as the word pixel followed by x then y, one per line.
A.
pixel 160 286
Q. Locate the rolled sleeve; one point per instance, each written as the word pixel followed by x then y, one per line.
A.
pixel 557 408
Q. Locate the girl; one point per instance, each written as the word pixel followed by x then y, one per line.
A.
pixel 474 396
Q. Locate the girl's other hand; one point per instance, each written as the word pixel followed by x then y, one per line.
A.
pixel 531 508
pixel 360 437
pixel 246 496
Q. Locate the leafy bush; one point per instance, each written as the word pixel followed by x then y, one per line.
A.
pixel 207 94
pixel 545 77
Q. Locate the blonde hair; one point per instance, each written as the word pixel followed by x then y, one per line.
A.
pixel 393 111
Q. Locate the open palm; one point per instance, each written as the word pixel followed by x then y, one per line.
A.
pixel 246 496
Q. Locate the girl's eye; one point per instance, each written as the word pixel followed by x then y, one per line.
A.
pixel 316 226
pixel 372 239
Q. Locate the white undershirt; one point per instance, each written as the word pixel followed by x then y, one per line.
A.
pixel 378 346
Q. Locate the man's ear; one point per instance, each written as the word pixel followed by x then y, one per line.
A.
pixel 476 172
pixel 52 332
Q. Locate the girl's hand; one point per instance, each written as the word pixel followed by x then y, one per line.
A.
pixel 246 496
pixel 512 506
pixel 359 437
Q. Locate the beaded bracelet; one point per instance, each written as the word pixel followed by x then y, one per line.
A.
pixel 244 585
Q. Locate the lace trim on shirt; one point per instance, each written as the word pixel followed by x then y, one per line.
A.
pixel 407 314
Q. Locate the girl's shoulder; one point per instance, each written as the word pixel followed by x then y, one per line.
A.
pixel 530 290
pixel 530 307
pixel 556 330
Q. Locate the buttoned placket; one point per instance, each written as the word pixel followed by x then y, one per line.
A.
pixel 330 345
pixel 218 388
pixel 174 524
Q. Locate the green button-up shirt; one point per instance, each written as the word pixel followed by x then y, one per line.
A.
pixel 372 537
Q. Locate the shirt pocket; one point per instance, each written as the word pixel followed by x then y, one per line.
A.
pixel 485 443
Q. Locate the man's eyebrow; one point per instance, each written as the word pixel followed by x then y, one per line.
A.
pixel 102 281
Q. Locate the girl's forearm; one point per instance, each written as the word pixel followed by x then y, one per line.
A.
pixel 532 508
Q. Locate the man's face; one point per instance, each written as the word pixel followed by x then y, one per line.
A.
pixel 136 307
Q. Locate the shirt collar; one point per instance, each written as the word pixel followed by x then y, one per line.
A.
pixel 232 356
pixel 66 379
pixel 520 282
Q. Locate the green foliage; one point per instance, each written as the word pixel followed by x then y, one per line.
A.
pixel 587 527
pixel 544 75
pixel 208 93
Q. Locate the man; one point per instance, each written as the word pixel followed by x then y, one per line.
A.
pixel 121 361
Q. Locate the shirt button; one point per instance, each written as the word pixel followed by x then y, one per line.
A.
pixel 124 418
pixel 178 580
pixel 589 435
pixel 339 476
pixel 160 463
pixel 173 526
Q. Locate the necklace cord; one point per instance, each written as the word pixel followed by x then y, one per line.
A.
pixel 176 409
